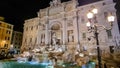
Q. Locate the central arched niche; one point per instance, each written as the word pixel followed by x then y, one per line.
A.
pixel 55 27
pixel 56 34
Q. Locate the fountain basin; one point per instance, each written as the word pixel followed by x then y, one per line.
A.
pixel 15 64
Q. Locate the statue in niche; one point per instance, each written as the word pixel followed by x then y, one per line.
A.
pixel 54 38
pixel 55 2
pixel 43 26
pixel 58 2
pixel 42 38
pixel 70 36
pixel 51 4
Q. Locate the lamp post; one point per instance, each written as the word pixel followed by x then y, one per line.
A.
pixel 94 28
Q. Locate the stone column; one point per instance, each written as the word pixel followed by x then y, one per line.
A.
pixel 46 34
pixel 50 37
pixel 39 38
pixel 64 31
pixel 75 30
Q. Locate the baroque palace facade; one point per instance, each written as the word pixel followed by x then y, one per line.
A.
pixel 65 24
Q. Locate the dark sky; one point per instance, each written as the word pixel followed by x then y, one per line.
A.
pixel 16 11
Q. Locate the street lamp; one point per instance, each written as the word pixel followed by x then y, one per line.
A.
pixel 94 28
pixel 111 19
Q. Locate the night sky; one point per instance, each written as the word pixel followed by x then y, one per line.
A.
pixel 16 11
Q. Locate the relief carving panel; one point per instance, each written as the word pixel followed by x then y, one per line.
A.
pixel 70 14
pixel 55 16
pixel 56 10
pixel 69 7
pixel 70 22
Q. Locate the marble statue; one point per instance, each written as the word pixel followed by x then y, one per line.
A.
pixel 54 39
pixel 55 2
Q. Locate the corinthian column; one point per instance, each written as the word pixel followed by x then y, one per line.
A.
pixel 46 34
pixel 64 31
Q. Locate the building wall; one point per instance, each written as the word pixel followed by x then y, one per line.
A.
pixel 30 33
pixel 5 36
pixel 68 22
pixel 17 41
pixel 104 8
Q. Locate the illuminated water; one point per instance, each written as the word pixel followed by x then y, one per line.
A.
pixel 14 64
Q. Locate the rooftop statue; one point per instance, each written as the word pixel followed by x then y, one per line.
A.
pixel 55 3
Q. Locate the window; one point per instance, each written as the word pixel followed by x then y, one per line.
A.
pixel 30 40
pixel 32 28
pixel 104 3
pixel 3 50
pixel 109 34
pixel 9 27
pixel 19 38
pixel 19 43
pixel 82 19
pixel 16 34
pixel 8 32
pixel 18 47
pixel 83 35
pixel 111 49
pixel 35 40
pixel 37 27
pixel 15 43
pixel 6 45
pixel 105 14
pixel 16 38
pixel 8 38
pixel 43 26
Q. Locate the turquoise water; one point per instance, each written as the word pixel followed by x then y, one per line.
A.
pixel 14 64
